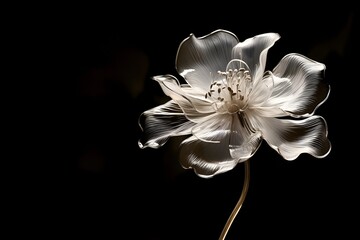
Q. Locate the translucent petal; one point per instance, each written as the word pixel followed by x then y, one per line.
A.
pixel 293 137
pixel 243 140
pixel 298 86
pixel 162 122
pixel 194 108
pixel 261 91
pixel 214 129
pixel 267 111
pixel 206 158
pixel 194 92
pixel 254 51
pixel 199 59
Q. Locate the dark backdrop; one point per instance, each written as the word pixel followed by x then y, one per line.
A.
pixel 97 182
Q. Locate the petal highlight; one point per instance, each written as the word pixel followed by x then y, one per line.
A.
pixel 254 51
pixel 207 159
pixel 199 59
pixel 298 86
pixel 195 109
pixel 162 122
pixel 290 138
pixel 218 144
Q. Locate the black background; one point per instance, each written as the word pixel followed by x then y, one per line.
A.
pixel 96 181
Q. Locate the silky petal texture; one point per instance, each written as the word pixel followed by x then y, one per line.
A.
pixel 243 139
pixel 161 123
pixel 290 138
pixel 207 159
pixel 194 92
pixel 262 91
pixel 267 112
pixel 298 86
pixel 218 144
pixel 253 51
pixel 260 95
pixel 199 59
pixel 195 109
pixel 214 129
pixel 228 128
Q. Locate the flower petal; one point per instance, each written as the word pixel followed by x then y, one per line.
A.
pixel 161 123
pixel 298 88
pixel 214 129
pixel 292 137
pixel 219 143
pixel 253 51
pixel 206 158
pixel 199 59
pixel 243 140
pixel 259 99
pixel 195 109
pixel 262 91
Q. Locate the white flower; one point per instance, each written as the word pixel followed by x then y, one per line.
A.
pixel 229 103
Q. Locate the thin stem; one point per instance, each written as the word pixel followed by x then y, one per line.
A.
pixel 240 201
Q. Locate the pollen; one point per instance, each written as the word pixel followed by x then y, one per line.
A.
pixel 232 90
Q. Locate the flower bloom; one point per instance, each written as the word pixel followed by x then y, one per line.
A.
pixel 229 103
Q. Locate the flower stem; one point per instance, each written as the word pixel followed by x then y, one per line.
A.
pixel 240 201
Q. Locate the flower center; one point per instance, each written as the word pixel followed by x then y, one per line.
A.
pixel 231 92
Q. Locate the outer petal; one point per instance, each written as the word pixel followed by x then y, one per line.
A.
pixel 259 99
pixel 244 139
pixel 199 59
pixel 207 159
pixel 195 108
pixel 161 123
pixel 298 86
pixel 292 137
pixel 219 144
pixel 253 51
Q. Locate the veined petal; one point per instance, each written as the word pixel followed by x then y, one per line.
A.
pixel 235 129
pixel 199 59
pixel 194 92
pixel 161 123
pixel 259 98
pixel 194 108
pixel 206 158
pixel 244 139
pixel 290 138
pixel 213 129
pixel 254 51
pixel 261 91
pixel 267 111
pixel 298 86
